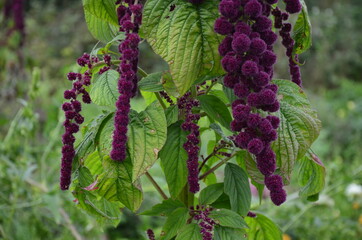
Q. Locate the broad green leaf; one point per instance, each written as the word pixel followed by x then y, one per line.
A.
pixel 222 202
pixel 236 186
pixel 228 218
pixel 227 233
pixel 189 232
pixel 262 228
pixel 184 38
pixel 299 127
pixel 260 188
pixel 173 158
pixel 103 9
pixel 116 184
pixel 302 31
pixel 216 109
pixel 149 97
pixel 94 163
pixel 229 94
pixel 220 95
pixel 252 169
pixel 147 135
pixel 171 115
pixel 164 208
pixel 311 175
pixel 104 89
pixel 87 201
pixel 174 223
pixel 151 83
pixel 101 20
pixel 211 193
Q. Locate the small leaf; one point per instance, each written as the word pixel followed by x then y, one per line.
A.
pixel 104 89
pixel 302 31
pixel 299 127
pixel 236 186
pixel 173 159
pixel 227 233
pixel 174 222
pixel 164 208
pixel 171 115
pixel 211 193
pixel 184 38
pixel 228 218
pixel 216 109
pixel 262 227
pixel 151 83
pixel 311 175
pixel 116 184
pixel 102 9
pixel 189 232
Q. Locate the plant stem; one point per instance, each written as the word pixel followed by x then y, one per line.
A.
pixel 206 159
pixel 213 169
pixel 158 188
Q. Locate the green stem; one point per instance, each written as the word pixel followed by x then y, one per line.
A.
pixel 158 188
pixel 213 169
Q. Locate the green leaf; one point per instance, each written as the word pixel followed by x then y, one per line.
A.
pixel 252 169
pixel 236 186
pixel 102 9
pixel 116 184
pixel 184 38
pixel 173 158
pixel 229 93
pixel 227 233
pixel 94 163
pixel 102 26
pixel 174 222
pixel 104 89
pixel 151 83
pixel 262 228
pixel 147 135
pixel 299 127
pixel 189 232
pixel 164 208
pixel 222 202
pixel 302 31
pixel 211 193
pixel 311 175
pixel 228 218
pixel 171 115
pixel 216 109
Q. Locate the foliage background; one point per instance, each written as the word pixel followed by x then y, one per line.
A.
pixel 32 80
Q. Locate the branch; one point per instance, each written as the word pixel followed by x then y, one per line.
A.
pixel 213 169
pixel 158 188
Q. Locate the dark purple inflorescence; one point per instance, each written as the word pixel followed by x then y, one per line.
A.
pixel 129 17
pixel 150 234
pixel 73 118
pixel 186 103
pixel 248 59
pixel 287 40
pixel 201 215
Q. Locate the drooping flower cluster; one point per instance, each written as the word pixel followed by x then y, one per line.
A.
pixel 186 103
pixel 201 214
pixel 287 40
pixel 129 17
pixel 166 97
pixel 16 9
pixel 73 118
pixel 248 59
pixel 150 234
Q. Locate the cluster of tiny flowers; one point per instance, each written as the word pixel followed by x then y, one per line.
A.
pixel 287 40
pixel 129 17
pixel 248 59
pixel 167 97
pixel 192 144
pixel 150 234
pixel 73 118
pixel 201 215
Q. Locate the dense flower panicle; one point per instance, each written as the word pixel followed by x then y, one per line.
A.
pixel 201 215
pixel 130 18
pixel 191 146
pixel 150 234
pixel 293 6
pixel 248 59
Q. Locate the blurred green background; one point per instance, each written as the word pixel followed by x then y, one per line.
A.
pixel 32 81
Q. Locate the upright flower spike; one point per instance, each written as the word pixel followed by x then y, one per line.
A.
pixel 130 18
pixel 248 59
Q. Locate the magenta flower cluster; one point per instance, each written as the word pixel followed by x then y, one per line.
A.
pixel 287 40
pixel 73 118
pixel 191 146
pixel 201 215
pixel 248 59
pixel 150 234
pixel 129 17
